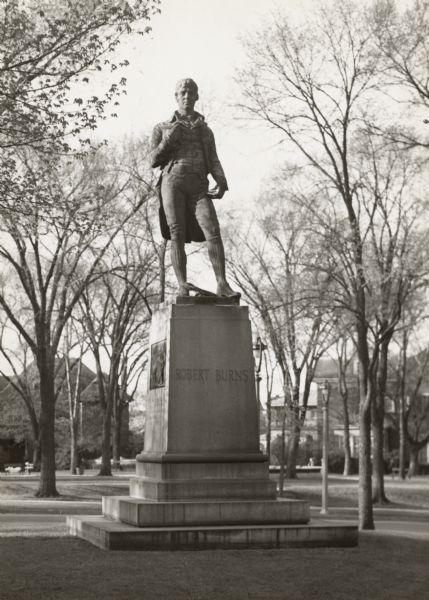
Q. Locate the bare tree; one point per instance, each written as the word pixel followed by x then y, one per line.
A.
pixel 74 340
pixel 417 413
pixel 116 313
pixel 23 382
pixel 132 159
pixel 401 38
pixel 270 368
pixel 270 264
pixel 317 86
pixel 17 356
pixel 311 85
pixel 412 407
pixel 48 54
pixel 54 257
pixel 344 358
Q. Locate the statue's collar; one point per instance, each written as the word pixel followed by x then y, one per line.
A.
pixel 198 118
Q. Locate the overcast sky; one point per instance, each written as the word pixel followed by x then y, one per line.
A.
pixel 200 39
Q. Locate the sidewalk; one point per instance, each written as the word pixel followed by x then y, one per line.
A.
pixel 40 517
pixel 406 523
pixel 49 506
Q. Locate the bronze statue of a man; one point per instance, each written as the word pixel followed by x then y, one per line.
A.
pixel 184 148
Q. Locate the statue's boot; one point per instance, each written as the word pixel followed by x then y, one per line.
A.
pixel 183 289
pixel 226 291
pixel 217 258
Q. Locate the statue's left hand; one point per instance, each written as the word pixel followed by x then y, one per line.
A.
pixel 217 192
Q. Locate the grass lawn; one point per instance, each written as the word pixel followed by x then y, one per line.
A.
pixel 87 488
pixel 70 569
pixel 410 493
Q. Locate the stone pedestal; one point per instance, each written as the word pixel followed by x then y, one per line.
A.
pixel 201 480
pixel 202 418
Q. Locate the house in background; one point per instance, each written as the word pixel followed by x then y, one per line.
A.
pixel 311 435
pixel 16 432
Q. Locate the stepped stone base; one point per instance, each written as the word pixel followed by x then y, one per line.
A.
pixel 201 481
pixel 200 476
pixel 142 513
pixel 111 535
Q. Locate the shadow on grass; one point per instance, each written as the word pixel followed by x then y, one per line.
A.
pixel 67 569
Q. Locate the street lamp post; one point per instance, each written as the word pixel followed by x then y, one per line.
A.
pixel 258 349
pixel 325 437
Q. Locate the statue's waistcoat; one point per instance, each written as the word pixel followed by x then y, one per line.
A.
pixel 195 154
pixel 189 157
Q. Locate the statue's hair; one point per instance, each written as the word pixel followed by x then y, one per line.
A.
pixel 188 82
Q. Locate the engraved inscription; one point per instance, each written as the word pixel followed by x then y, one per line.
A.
pixel 192 374
pixel 232 375
pixel 217 375
pixel 157 365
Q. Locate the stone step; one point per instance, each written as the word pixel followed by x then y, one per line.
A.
pixel 193 489
pixel 201 466
pixel 143 513
pixel 107 534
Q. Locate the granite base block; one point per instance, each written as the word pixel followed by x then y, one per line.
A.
pixel 141 513
pixel 203 469
pixel 154 489
pixel 112 535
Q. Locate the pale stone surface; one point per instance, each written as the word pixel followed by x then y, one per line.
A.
pixel 118 536
pixel 199 469
pixel 163 514
pixel 202 488
pixel 202 426
pixel 208 404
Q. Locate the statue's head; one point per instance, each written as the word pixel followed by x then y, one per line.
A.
pixel 186 94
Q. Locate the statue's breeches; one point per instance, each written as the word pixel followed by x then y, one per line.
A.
pixel 184 198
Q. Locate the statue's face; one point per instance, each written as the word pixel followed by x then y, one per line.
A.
pixel 186 97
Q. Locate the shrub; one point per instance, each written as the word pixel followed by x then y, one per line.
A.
pixel 336 461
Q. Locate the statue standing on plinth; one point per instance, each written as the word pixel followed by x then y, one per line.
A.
pixel 184 148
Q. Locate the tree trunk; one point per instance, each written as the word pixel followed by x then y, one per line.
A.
pixel 116 441
pixel 402 438
pixel 73 447
pixel 47 483
pixel 36 453
pixel 366 518
pixel 413 467
pixel 292 454
pixel 379 495
pixel 106 467
pixel 74 406
pixel 120 397
pixel 344 392
pixel 346 430
pixel 36 441
pixel 268 435
pixel 283 452
pixel 295 431
pixel 116 458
